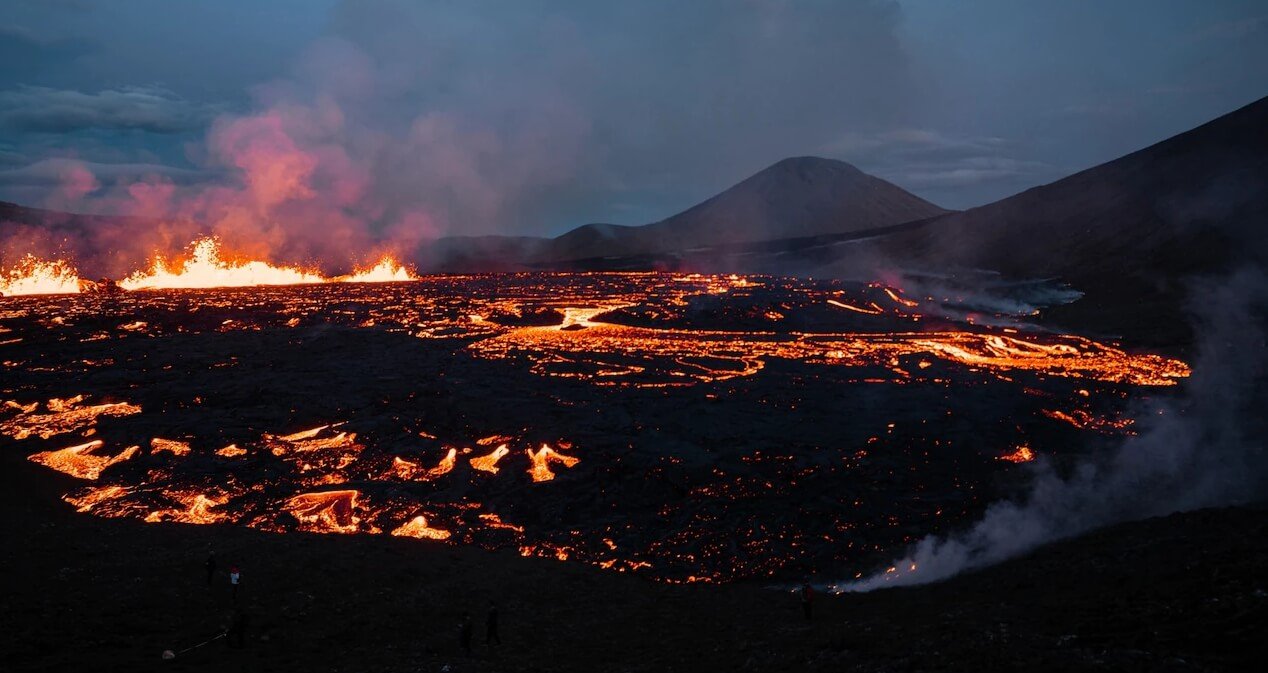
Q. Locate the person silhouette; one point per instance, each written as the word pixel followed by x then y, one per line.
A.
pixel 491 636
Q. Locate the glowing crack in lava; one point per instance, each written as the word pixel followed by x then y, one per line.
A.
pixel 33 276
pixel 671 425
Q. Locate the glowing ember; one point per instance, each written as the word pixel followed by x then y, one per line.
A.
pixel 540 469
pixel 205 269
pixel 417 527
pixel 489 463
pixel 36 276
pixel 78 461
pixel 1023 454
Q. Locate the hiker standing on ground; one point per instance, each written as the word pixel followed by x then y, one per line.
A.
pixel 807 600
pixel 491 636
pixel 234 581
pixel 464 634
pixel 210 565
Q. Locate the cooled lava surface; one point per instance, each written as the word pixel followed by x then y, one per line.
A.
pixel 688 428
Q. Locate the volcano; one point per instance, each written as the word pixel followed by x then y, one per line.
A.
pixel 800 196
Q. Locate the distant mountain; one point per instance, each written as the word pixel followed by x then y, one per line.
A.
pixel 801 196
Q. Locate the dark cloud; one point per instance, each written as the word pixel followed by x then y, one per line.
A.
pixel 27 52
pixel 532 116
pixel 935 164
pixel 47 110
pixel 52 173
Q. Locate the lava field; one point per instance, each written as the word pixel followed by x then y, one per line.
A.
pixel 688 428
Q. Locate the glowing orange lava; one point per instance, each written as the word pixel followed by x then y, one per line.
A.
pixel 205 268
pixel 540 469
pixel 326 511
pixel 1023 454
pixel 78 461
pixel 387 270
pixel 32 275
pixel 489 463
pixel 417 527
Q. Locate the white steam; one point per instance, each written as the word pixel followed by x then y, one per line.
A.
pixel 1203 449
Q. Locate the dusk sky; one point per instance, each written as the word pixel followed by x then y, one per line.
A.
pixel 535 117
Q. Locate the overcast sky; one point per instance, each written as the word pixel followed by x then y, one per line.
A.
pixel 534 117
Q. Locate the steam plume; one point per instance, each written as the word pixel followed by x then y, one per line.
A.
pixel 1203 450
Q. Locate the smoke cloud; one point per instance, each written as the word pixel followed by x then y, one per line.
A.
pixel 1202 450
pixel 409 122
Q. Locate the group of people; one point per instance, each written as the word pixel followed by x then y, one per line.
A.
pixel 235 577
pixel 491 636
pixel 235 626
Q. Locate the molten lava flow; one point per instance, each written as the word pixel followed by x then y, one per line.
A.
pixel 417 527
pixel 172 446
pixel 540 469
pixel 489 463
pixel 388 270
pixel 1023 454
pixel 86 500
pixel 873 309
pixel 445 466
pixel 64 416
pixel 1085 421
pixel 310 440
pixel 404 469
pixel 78 461
pixel 205 269
pixel 32 275
pixel 231 451
pixel 196 508
pixel 898 299
pixel 326 511
pixel 492 520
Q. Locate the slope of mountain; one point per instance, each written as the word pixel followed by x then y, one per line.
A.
pixel 1191 203
pixel 796 197
pixel 1132 233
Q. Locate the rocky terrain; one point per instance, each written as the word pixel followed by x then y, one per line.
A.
pixel 1184 593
